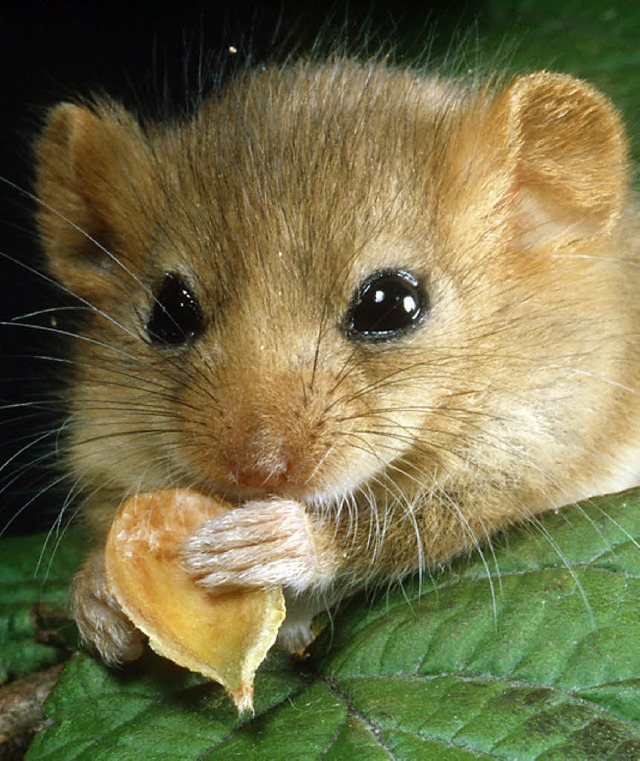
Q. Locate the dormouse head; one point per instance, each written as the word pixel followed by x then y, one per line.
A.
pixel 314 287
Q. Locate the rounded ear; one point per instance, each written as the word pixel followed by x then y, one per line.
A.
pixel 84 161
pixel 567 155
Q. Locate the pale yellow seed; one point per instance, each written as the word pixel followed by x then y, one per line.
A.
pixel 222 636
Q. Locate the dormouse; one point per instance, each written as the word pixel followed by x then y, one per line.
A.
pixel 386 314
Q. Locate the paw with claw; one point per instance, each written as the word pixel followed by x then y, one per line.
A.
pixel 103 625
pixel 261 544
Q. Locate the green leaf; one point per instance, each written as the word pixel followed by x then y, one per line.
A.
pixel 34 582
pixel 531 653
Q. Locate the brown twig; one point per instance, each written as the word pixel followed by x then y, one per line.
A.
pixel 21 711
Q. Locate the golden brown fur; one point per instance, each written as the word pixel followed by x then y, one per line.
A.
pixel 517 394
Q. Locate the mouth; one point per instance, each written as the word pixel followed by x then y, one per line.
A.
pixel 240 493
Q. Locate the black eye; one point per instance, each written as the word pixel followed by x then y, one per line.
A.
pixel 176 315
pixel 386 305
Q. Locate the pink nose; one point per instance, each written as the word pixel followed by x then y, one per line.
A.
pixel 258 479
pixel 262 478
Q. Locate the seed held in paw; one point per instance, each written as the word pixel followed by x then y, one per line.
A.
pixel 223 636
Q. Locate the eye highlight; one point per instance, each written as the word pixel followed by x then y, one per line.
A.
pixel 176 317
pixel 385 306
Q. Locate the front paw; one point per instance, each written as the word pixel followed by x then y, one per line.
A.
pixel 100 620
pixel 261 544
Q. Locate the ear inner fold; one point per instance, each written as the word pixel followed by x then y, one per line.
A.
pixel 86 160
pixel 568 152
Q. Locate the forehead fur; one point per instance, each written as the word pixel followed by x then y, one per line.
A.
pixel 308 164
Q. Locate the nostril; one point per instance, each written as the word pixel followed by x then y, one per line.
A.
pixel 260 477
